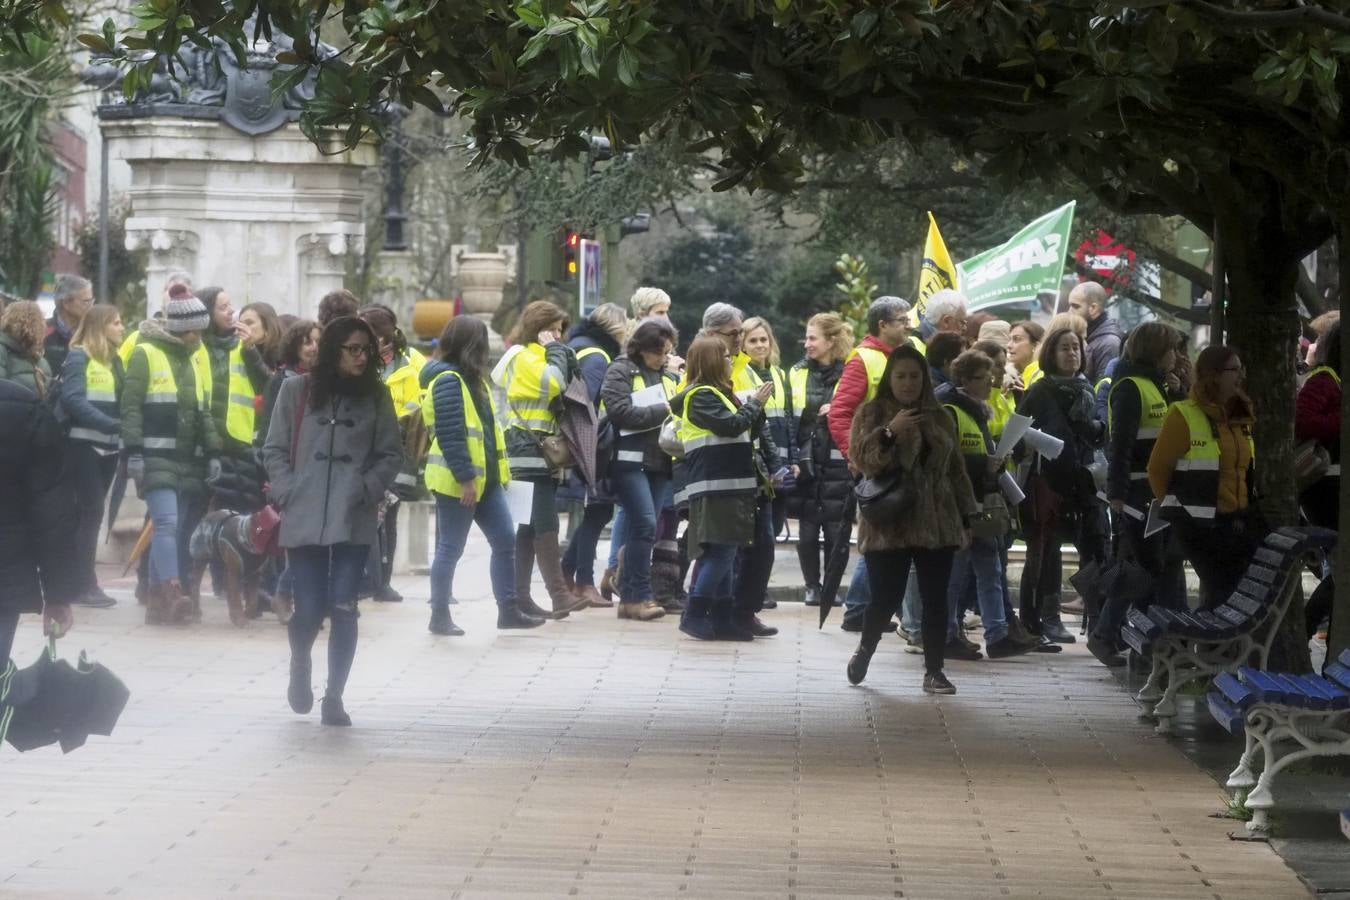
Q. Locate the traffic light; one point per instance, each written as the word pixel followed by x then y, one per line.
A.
pixel 571 254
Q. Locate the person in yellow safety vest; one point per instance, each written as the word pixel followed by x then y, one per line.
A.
pixel 887 329
pixel 1203 469
pixel 171 445
pixel 721 480
pixel 400 369
pixel 1001 402
pixel 754 564
pixel 467 473
pixel 91 382
pixel 980 563
pixel 761 346
pixel 1024 343
pixel 201 360
pixel 1141 388
pixel 534 372
pixel 1317 417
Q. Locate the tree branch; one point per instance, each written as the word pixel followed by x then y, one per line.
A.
pixel 1276 18
pixel 1194 316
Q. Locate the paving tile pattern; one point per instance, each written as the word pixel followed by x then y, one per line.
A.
pixel 605 758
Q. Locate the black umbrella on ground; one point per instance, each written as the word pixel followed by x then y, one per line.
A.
pixel 52 701
pixel 838 560
pixel 118 493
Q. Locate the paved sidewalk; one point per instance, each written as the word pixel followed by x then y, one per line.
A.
pixel 599 758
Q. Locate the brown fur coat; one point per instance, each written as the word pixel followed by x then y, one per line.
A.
pixel 927 453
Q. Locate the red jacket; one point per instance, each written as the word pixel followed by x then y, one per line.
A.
pixel 850 393
pixel 1317 413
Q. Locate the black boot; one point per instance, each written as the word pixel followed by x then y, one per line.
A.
pixel 509 616
pixel 812 597
pixel 697 621
pixel 725 626
pixel 1051 626
pixel 300 692
pixel 332 713
pixel 860 660
pixel 442 623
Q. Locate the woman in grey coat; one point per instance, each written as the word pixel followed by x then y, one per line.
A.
pixel 332 451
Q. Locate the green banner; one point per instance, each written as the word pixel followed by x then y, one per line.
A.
pixel 1031 260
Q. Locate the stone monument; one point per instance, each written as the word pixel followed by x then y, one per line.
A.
pixel 226 187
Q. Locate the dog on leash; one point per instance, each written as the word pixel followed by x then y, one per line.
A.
pixel 229 538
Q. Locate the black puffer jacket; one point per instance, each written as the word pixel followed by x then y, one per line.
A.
pixel 37 506
pixel 1066 408
pixel 824 483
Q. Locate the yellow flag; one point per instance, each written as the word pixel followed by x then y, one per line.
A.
pixel 937 272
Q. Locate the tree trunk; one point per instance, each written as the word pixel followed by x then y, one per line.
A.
pixel 1263 325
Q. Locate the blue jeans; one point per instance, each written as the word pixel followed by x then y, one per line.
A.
pixel 163 506
pixel 452 530
pixel 326 580
pixel 618 535
pixel 640 494
pixel 859 591
pixel 980 562
pixel 579 558
pixel 713 576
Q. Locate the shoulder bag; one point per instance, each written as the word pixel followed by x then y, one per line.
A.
pixel 885 498
pixel 264 530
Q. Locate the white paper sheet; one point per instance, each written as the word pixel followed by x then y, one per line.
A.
pixel 520 499
pixel 1156 522
pixel 1011 492
pixel 654 395
pixel 1046 445
pixel 1013 430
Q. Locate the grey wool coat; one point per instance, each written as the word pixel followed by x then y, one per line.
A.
pixel 346 456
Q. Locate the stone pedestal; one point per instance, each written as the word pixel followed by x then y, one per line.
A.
pixel 267 217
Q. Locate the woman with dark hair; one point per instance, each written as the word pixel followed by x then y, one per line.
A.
pixel 1024 341
pixel 943 349
pixel 1141 389
pixel 335 305
pixel 1060 493
pixel 1317 417
pixel 1203 469
pixel 332 452
pixel 466 472
pixel 902 432
pixel 534 372
pixel 400 369
pixel 596 340
pixel 721 484
pixel 637 396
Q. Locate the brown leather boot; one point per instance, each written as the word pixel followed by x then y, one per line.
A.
pixel 177 605
pixel 592 598
pixel 524 572
pixel 609 585
pixel 548 555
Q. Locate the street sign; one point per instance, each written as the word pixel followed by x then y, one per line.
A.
pixel 1107 257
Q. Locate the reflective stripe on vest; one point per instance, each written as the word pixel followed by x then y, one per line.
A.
pixel 969 436
pixel 100 389
pixel 439 478
pixel 776 406
pixel 1194 486
pixel 713 464
pixel 531 386
pixel 1152 414
pixel 239 414
pixel 874 361
pixel 159 416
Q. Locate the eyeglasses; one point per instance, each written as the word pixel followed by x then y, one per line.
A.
pixel 1241 370
pixel 733 333
pixel 357 349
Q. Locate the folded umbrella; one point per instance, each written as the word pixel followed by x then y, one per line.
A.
pixel 52 701
pixel 142 544
pixel 118 493
pixel 838 560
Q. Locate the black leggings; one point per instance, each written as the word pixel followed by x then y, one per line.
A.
pixel 811 533
pixel 887 574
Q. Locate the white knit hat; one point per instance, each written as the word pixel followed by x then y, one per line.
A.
pixel 184 312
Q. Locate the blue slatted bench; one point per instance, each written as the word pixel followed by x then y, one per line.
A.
pixel 1285 718
pixel 1187 645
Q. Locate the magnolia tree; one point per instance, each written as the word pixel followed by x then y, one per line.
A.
pixel 1229 114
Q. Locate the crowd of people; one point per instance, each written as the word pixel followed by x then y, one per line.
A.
pixel 695 463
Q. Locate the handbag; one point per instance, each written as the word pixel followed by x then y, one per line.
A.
pixel 670 438
pixel 884 498
pixel 1311 463
pixel 993 520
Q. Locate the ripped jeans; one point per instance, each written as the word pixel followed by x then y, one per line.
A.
pixel 325 584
